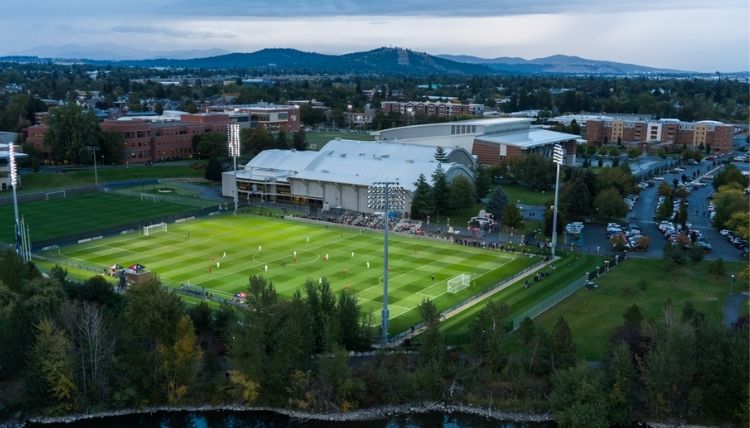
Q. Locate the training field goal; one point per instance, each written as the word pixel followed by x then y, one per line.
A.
pixel 459 283
pixel 149 197
pixel 158 227
pixel 55 195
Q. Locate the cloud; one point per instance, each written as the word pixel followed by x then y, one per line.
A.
pixel 170 32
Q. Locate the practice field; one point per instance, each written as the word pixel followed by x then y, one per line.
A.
pixel 221 253
pixel 75 214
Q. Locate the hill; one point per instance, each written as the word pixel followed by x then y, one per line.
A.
pixel 557 64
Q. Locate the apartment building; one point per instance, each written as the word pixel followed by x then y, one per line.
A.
pixel 667 133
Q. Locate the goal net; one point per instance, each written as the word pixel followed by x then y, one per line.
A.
pixel 54 195
pixel 459 283
pixel 149 197
pixel 158 227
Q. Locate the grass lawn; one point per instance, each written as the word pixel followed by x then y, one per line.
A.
pixel 320 138
pixel 61 217
pixel 520 299
pixel 593 315
pixel 193 252
pixel 516 193
pixel 85 175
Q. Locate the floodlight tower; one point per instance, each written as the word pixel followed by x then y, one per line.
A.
pixel 385 195
pixel 557 157
pixel 96 175
pixel 233 140
pixel 13 184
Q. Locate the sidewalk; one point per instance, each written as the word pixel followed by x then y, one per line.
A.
pixel 457 310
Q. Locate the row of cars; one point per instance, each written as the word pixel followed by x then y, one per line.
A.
pixel 687 236
pixel 734 239
pixel 627 237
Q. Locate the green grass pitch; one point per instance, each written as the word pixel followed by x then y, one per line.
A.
pixel 194 251
pixel 75 214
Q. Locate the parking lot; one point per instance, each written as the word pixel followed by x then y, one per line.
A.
pixel 644 210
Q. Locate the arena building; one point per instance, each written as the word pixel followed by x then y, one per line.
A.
pixel 489 140
pixel 338 176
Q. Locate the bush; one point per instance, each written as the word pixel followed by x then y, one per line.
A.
pixel 717 267
pixel 642 284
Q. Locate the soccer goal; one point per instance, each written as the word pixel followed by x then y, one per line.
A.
pixel 459 283
pixel 55 195
pixel 158 227
pixel 149 197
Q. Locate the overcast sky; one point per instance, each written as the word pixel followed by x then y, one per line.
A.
pixel 680 34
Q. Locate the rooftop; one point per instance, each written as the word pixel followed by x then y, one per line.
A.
pixel 529 138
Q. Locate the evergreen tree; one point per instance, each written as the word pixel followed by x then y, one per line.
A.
pixel 498 201
pixel 422 202
pixel 440 190
pixel 562 346
pixel 512 216
pixel 461 193
pixel 299 140
pixel 281 140
pixel 483 180
pixel 213 170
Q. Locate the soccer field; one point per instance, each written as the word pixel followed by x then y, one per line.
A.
pixel 75 214
pixel 195 251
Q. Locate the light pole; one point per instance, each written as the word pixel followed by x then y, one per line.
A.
pixel 13 183
pixel 96 175
pixel 557 157
pixel 385 195
pixel 233 140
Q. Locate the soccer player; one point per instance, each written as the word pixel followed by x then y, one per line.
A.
pixel 368 265
pixel 352 254
pixel 266 268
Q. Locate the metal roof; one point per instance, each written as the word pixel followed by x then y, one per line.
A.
pixel 529 138
pixel 353 162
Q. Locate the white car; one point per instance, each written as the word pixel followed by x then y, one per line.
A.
pixel 659 178
pixel 724 232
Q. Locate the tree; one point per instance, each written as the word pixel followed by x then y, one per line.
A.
pixel 622 378
pixel 93 347
pixel 576 199
pixel 440 154
pixel 432 340
pixel 483 180
pixel 213 170
pixel 512 216
pixel 461 193
pixel 51 369
pixel 254 141
pixel 149 319
pixel 682 214
pixel 281 140
pixel 739 222
pixel 321 305
pixel 728 201
pixel 179 361
pixel 350 329
pixel 562 346
pixel 440 189
pixel 209 146
pixel 527 330
pixel 299 140
pixel 578 398
pixel 498 201
pixel 112 146
pixel 422 202
pixel 71 130
pixel 730 174
pixel 487 331
pixel 610 203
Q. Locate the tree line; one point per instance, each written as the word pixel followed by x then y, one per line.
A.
pixel 79 346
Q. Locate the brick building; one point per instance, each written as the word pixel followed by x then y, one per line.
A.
pixel 670 134
pixel 148 139
pixel 429 108
pixel 271 117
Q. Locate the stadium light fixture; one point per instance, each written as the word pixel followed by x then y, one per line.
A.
pixel 557 157
pixel 13 170
pixel 96 175
pixel 385 195
pixel 233 141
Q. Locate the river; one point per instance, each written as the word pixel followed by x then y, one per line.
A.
pixel 238 419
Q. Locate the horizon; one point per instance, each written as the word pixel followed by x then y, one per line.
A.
pixel 644 33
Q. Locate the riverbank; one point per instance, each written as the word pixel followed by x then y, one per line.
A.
pixel 376 413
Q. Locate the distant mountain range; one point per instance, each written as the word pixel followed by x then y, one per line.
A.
pixel 557 64
pixel 377 61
